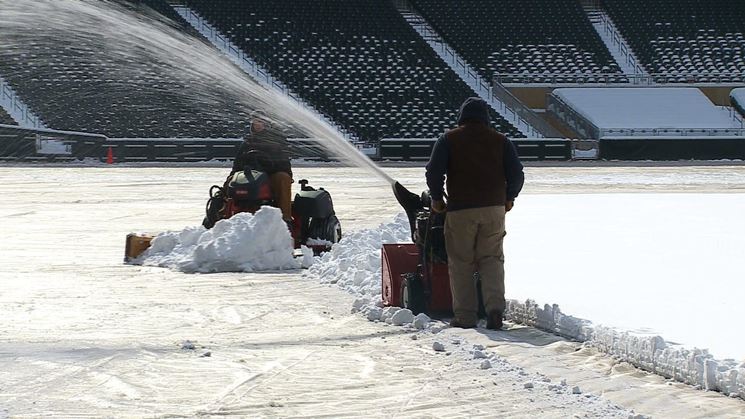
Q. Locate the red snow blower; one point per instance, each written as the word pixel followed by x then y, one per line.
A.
pixel 314 222
pixel 415 276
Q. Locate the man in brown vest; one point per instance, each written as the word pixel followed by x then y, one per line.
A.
pixel 484 176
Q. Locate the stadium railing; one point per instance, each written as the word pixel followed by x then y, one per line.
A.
pixel 420 149
pixel 8 95
pixel 38 144
pixel 633 80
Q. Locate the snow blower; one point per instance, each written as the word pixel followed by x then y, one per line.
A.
pixel 314 222
pixel 415 276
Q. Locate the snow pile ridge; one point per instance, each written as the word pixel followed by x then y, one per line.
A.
pixel 354 264
pixel 244 243
pixel 651 353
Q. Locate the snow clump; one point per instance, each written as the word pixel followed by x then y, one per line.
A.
pixel 243 243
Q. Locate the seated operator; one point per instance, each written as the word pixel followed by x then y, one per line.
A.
pixel 267 147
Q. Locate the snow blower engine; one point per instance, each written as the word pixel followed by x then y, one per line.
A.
pixel 415 276
pixel 314 223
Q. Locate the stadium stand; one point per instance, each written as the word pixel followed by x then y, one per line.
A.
pixel 527 37
pixel 81 86
pixel 685 40
pixel 162 7
pixel 5 119
pixel 358 62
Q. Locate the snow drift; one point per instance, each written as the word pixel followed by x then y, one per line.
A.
pixel 244 243
pixel 354 264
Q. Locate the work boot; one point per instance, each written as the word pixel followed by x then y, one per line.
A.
pixel 494 320
pixel 456 322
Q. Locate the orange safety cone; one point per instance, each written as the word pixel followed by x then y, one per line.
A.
pixel 110 156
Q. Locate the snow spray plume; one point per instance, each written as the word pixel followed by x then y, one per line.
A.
pixel 127 48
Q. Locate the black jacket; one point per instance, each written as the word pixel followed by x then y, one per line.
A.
pixel 267 150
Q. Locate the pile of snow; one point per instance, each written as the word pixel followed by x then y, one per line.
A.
pixel 354 264
pixel 696 367
pixel 244 243
pixel 645 108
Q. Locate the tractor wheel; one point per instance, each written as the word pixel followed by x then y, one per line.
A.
pixel 325 229
pixel 412 293
pixel 215 205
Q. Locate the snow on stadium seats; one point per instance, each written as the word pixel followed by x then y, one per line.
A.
pixel 685 40
pixel 606 113
pixel 358 62
pixel 523 41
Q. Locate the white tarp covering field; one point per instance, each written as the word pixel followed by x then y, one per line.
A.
pixel 646 108
pixel 83 334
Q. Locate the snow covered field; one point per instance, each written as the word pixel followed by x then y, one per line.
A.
pixel 83 334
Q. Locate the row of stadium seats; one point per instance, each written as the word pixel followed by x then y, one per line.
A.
pixel 521 36
pixel 5 119
pixel 80 85
pixel 358 62
pixel 680 38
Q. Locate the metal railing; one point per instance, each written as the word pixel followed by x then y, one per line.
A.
pixel 579 124
pixel 514 110
pixel 619 41
pixel 525 113
pixel 672 132
pixel 18 109
pixel 628 80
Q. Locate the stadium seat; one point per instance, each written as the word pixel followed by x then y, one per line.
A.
pixel 685 40
pixel 358 62
pixel 522 41
pixel 77 86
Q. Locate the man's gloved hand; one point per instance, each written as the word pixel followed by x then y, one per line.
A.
pixel 438 206
pixel 508 206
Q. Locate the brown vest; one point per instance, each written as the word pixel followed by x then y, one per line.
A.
pixel 475 174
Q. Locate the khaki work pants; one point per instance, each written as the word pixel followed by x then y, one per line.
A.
pixel 281 183
pixel 473 239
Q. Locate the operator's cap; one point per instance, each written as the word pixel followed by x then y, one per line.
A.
pixel 260 114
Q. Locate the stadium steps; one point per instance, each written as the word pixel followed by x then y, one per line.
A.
pixel 619 49
pixel 16 109
pixel 516 115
